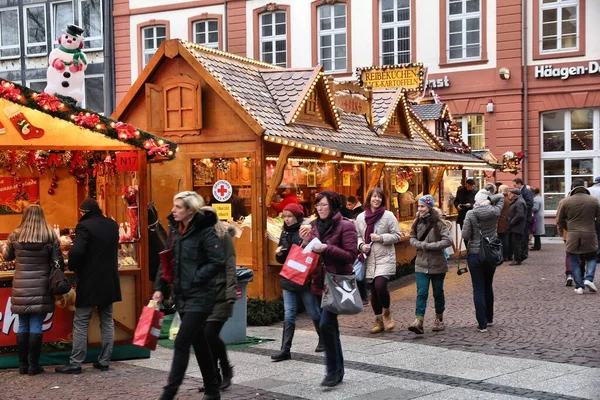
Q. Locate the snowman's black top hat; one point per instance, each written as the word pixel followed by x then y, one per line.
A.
pixel 73 30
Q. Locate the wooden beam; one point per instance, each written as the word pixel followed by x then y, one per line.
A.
pixel 376 176
pixel 438 179
pixel 278 174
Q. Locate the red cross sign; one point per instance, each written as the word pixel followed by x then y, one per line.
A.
pixel 222 190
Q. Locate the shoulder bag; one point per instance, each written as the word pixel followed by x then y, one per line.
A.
pixel 490 248
pixel 58 281
pixel 341 295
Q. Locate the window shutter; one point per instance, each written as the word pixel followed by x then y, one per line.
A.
pixel 154 107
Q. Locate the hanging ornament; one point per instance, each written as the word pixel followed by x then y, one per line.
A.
pixel 22 124
pixel 41 161
pixel 223 164
pixel 51 192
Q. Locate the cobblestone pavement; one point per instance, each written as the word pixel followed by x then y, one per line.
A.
pixel 536 316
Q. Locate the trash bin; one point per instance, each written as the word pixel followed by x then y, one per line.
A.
pixel 234 330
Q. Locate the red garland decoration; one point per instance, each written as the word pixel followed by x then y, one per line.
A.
pixel 48 101
pixel 126 131
pixel 53 160
pixel 77 159
pixel 86 120
pixel 9 91
pixel 153 149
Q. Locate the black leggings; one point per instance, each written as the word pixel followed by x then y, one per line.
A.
pixel 212 329
pixel 380 295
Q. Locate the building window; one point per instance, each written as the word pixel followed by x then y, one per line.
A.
pixel 559 25
pixel 206 33
pixel 332 37
pixel 35 28
pixel 37 85
pixel 273 38
pixel 9 33
pixel 568 151
pixel 311 103
pixel 93 87
pixel 152 36
pixel 395 31
pixel 90 19
pixel 473 130
pixel 464 30
pixel 61 15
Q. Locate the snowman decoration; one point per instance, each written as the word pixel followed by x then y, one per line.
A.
pixel 67 64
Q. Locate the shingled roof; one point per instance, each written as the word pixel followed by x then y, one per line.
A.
pixel 429 111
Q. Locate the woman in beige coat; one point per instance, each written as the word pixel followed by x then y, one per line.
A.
pixel 378 231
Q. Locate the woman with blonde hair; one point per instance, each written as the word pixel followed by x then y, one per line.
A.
pixel 35 248
pixel 197 258
pixel 226 296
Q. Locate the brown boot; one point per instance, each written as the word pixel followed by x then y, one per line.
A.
pixel 388 322
pixel 378 328
pixel 417 326
pixel 438 325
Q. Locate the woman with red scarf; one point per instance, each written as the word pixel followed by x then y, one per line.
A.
pixel 378 231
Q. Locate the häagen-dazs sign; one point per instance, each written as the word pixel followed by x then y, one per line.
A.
pixel 547 71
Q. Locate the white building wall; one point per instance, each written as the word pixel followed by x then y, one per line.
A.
pixel 362 34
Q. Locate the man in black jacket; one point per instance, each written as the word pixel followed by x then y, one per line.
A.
pixel 528 197
pixel 93 258
pixel 465 198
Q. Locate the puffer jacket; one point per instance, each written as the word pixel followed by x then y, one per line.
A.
pixel 197 259
pixel 226 281
pixel 430 252
pixel 290 236
pixel 381 260
pixel 517 215
pixel 341 250
pixel 487 216
pixel 30 290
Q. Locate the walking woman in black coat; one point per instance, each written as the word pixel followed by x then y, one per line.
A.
pixel 34 245
pixel 197 259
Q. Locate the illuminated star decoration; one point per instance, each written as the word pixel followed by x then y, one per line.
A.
pixel 347 294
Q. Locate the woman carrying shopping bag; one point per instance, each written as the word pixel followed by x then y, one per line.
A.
pixel 293 214
pixel 338 252
pixel 197 259
pixel 430 236
pixel 378 231
pixel 35 248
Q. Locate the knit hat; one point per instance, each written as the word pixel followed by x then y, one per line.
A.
pixel 332 198
pixel 428 200
pixel 89 205
pixel 296 209
pixel 482 196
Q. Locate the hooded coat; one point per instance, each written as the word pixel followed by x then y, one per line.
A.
pixel 198 257
pixel 94 259
pixel 30 289
pixel 430 251
pixel 487 216
pixel 580 217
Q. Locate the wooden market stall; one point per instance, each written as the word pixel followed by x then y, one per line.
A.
pixel 247 130
pixel 56 155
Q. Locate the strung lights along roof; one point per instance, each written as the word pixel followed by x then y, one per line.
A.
pixel 330 98
pixel 422 163
pixel 301 145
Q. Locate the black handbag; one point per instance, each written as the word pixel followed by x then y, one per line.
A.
pixel 58 281
pixel 341 295
pixel 490 248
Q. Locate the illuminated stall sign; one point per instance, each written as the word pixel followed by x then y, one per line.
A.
pixel 407 76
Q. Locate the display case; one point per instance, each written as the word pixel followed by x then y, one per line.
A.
pixel 406 188
pixel 450 184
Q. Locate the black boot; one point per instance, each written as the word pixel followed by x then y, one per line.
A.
pixel 202 388
pixel 35 349
pixel 227 376
pixel 320 347
pixel 23 347
pixel 286 343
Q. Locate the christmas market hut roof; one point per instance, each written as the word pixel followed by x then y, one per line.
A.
pixel 269 98
pixel 67 127
pixel 428 112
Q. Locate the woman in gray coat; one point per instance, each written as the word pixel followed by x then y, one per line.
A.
pixel 430 236
pixel 35 246
pixel 538 219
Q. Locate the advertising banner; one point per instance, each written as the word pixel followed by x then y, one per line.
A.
pixel 14 199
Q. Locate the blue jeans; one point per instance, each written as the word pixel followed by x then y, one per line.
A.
pixel 437 283
pixel 31 323
pixel 290 305
pixel 330 332
pixel 576 263
pixel 482 277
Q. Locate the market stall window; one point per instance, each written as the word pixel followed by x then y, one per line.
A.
pixel 451 183
pixel 406 188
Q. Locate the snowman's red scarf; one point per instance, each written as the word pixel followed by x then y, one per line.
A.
pixel 77 55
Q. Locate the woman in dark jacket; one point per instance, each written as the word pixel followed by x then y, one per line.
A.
pixel 35 247
pixel 485 214
pixel 516 220
pixel 293 214
pixel 338 250
pixel 226 296
pixel 197 259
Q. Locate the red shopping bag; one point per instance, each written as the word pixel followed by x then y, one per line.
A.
pixel 299 266
pixel 148 328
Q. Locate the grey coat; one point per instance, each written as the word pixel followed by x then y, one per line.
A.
pixel 488 220
pixel 430 252
pixel 538 214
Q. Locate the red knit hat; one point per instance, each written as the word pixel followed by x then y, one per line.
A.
pixel 296 209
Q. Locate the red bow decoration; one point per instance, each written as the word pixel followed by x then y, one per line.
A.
pixel 77 160
pixel 9 91
pixel 153 149
pixel 86 120
pixel 48 101
pixel 31 158
pixel 53 160
pixel 126 131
